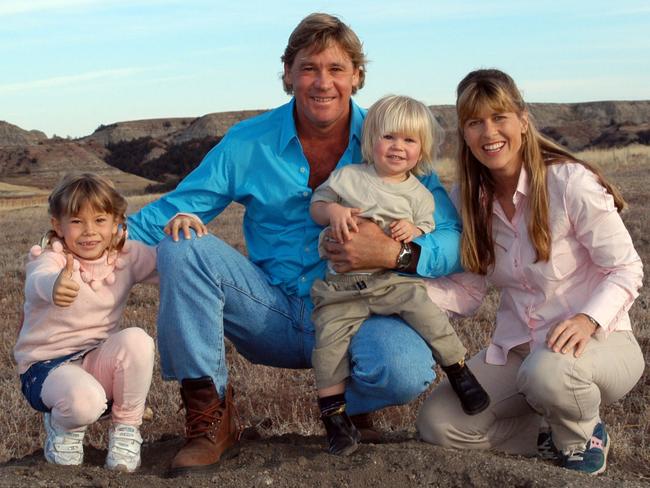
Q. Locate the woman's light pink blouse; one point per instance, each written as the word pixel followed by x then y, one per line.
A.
pixel 593 267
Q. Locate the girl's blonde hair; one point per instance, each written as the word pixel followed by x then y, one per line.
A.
pixel 494 89
pixel 403 115
pixel 76 190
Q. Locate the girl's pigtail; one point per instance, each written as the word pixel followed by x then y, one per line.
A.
pixel 120 238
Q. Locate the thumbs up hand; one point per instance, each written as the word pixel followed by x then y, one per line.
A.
pixel 65 289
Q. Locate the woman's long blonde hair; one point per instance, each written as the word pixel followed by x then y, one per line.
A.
pixel 495 89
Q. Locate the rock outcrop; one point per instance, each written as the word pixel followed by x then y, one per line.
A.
pixel 29 157
pixel 12 135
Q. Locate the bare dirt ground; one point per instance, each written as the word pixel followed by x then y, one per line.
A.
pixel 301 461
pixel 271 459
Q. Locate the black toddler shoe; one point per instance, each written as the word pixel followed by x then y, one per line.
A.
pixel 473 398
pixel 342 436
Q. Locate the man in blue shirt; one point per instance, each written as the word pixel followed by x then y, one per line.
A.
pixel 271 164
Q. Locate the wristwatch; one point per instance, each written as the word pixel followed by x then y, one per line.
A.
pixel 404 257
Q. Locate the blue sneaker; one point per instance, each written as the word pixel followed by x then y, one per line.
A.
pixel 593 458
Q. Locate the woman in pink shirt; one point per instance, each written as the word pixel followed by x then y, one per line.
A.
pixel 544 229
pixel 74 360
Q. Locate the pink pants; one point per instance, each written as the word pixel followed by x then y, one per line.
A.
pixel 119 370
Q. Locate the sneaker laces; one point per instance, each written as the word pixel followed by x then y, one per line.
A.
pixel 578 454
pixel 574 455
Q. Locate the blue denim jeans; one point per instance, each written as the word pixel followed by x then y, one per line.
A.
pixel 208 290
pixel 31 381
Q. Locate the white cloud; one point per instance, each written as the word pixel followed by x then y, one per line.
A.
pixel 71 79
pixel 12 7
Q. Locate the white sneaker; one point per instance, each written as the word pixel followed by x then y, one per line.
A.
pixel 62 446
pixel 124 443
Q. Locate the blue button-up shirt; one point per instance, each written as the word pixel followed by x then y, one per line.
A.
pixel 260 164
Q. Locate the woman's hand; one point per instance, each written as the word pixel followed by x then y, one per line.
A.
pixel 65 289
pixel 571 335
pixel 185 222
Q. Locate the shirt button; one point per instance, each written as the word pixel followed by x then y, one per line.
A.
pixel 303 279
pixel 302 169
pixel 305 194
pixel 306 249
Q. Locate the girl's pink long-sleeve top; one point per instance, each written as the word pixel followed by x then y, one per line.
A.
pixel 593 267
pixel 49 331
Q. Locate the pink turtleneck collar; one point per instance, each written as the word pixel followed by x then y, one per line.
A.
pixel 96 272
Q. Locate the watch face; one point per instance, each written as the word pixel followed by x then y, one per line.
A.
pixel 404 258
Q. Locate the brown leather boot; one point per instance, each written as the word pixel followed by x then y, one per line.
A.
pixel 365 424
pixel 212 428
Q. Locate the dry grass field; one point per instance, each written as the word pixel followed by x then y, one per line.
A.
pixel 21 430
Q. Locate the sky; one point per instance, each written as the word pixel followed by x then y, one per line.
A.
pixel 67 66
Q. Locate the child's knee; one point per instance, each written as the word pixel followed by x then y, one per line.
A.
pixel 137 347
pixel 134 341
pixel 80 406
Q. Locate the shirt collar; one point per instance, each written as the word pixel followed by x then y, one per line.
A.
pixel 522 186
pixel 522 183
pixel 288 131
pixel 356 122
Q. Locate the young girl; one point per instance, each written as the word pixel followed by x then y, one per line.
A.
pixel 73 359
pixel 544 229
pixel 398 142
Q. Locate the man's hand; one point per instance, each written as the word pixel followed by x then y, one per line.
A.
pixel 571 335
pixel 404 231
pixel 185 223
pixel 368 248
pixel 65 289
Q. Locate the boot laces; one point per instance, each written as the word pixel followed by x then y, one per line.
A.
pixel 202 422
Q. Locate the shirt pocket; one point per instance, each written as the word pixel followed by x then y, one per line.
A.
pixel 564 259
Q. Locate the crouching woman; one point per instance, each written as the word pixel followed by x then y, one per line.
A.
pixel 544 229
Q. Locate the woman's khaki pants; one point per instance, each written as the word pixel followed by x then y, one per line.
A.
pixel 563 390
